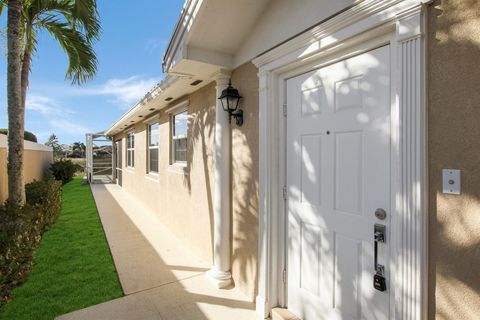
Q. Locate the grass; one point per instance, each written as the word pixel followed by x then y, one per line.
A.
pixel 73 267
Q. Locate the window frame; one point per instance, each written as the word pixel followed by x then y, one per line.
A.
pixel 173 137
pixel 130 149
pixel 150 147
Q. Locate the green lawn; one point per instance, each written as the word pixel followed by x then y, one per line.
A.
pixel 73 269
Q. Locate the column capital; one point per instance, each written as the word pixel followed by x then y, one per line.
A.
pixel 221 77
pixel 410 24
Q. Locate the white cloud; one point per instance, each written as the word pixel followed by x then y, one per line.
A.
pixel 125 92
pixel 67 127
pixel 155 45
pixel 57 117
pixel 46 106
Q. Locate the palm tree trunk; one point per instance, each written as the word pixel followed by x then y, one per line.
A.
pixel 16 112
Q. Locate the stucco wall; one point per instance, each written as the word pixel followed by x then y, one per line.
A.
pixel 37 159
pixel 245 183
pixel 181 196
pixel 454 142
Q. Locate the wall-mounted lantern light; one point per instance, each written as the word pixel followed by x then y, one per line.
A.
pixel 230 99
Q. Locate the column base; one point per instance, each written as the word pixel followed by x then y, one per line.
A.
pixel 261 307
pixel 220 279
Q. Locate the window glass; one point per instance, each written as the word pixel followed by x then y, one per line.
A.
pixel 179 136
pixel 153 160
pixel 130 150
pixel 153 147
pixel 153 135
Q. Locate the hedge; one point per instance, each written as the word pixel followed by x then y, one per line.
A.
pixel 47 197
pixel 21 230
pixel 27 135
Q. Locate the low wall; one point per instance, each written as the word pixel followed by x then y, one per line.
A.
pixel 37 159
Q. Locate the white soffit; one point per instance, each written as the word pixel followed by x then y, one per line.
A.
pixel 210 32
pixel 223 25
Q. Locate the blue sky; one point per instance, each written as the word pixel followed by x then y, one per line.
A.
pixel 134 37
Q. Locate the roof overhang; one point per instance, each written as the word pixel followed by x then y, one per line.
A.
pixel 211 31
pixel 204 42
pixel 170 89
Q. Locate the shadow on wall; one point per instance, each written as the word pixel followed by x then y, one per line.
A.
pixel 201 151
pixel 453 130
pixel 244 222
pixel 201 133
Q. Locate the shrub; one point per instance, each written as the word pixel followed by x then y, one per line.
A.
pixel 27 135
pixel 46 196
pixel 19 237
pixel 63 170
pixel 21 230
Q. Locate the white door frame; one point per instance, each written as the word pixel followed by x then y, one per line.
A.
pixel 371 23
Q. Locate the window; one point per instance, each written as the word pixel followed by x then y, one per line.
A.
pixel 153 147
pixel 131 150
pixel 179 137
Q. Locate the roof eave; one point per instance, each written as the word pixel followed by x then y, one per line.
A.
pixel 155 92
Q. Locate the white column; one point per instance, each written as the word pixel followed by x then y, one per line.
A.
pixel 220 272
pixel 410 245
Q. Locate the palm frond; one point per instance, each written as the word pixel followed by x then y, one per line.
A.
pixel 82 58
pixel 86 15
pixel 82 14
pixel 36 9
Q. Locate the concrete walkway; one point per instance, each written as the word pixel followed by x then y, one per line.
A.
pixel 161 278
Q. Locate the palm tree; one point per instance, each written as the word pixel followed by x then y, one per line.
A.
pixel 16 187
pixel 75 25
pixel 78 149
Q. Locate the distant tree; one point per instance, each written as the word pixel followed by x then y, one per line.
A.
pixel 27 135
pixel 78 150
pixel 53 143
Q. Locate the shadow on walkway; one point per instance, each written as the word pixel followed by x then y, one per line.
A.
pixel 160 277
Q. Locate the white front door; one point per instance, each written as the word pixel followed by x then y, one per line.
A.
pixel 338 174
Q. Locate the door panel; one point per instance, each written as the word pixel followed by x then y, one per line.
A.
pixel 338 174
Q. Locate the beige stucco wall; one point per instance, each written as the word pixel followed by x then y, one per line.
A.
pixel 245 183
pixel 36 161
pixel 454 142
pixel 181 196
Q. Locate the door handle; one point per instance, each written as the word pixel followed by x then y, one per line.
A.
pixel 378 236
pixel 379 281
